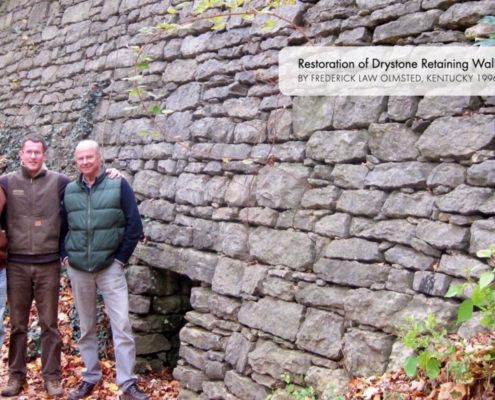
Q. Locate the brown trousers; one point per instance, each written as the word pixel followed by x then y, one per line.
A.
pixel 40 282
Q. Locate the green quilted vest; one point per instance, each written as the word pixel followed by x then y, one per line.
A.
pixel 96 223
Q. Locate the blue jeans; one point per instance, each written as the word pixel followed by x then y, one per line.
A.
pixel 3 296
pixel 113 287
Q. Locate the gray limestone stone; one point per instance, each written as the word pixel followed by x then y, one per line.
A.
pixel 380 309
pixel 361 202
pixel 145 280
pixel 431 107
pixel 244 108
pixel 185 97
pixel 392 142
pixel 449 175
pixel 254 276
pixel 162 256
pixel 352 112
pixel 398 355
pixel 259 216
pixel 310 114
pixel 400 280
pixel 351 273
pixel 139 304
pixel 236 353
pixel 334 226
pixel 402 108
pixel 281 186
pixel 423 247
pixel 293 249
pixel 253 131
pixel 462 266
pixel 197 265
pixel 218 130
pixel 366 353
pixel 396 231
pixel 192 189
pixel 321 198
pixel 327 10
pixel 270 359
pixel 409 258
pixel 278 288
pixel 464 199
pixel 228 277
pixel 321 333
pixel 354 37
pixel 277 317
pixel 224 307
pixel 472 327
pixel 200 338
pixel 395 11
pixel 217 390
pixel 354 249
pixel 180 71
pixel 158 151
pixel 403 205
pixel 194 356
pixel 327 297
pixel 338 146
pixel 391 176
pixel 386 310
pixel 245 388
pixel 407 25
pixel 216 370
pixel 241 191
pixel 466 14
pixel 280 122
pixel 482 174
pixel 488 207
pixel 285 152
pixel 349 176
pixel 457 137
pixel 77 13
pixel 325 380
pixel 190 378
pixel 157 209
pixel 199 298
pixel 443 236
pixel 431 283
pixel 482 235
pixel 445 311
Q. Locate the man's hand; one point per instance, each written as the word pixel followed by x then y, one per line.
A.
pixel 114 173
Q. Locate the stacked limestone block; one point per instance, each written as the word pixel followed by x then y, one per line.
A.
pixel 361 212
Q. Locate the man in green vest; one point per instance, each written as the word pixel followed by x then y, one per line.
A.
pixel 33 220
pixel 100 229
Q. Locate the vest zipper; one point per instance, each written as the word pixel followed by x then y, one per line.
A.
pixel 31 230
pixel 89 230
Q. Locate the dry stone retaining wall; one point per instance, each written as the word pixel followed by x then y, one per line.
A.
pixel 365 211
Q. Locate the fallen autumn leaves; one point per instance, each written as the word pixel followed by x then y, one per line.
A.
pixel 158 385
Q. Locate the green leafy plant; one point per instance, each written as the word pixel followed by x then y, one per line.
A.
pixel 302 392
pixel 482 297
pixel 430 344
pixel 490 41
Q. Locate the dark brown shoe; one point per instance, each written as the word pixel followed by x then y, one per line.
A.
pixel 84 390
pixel 54 388
pixel 13 387
pixel 133 393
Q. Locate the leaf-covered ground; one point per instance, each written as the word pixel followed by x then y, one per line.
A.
pixel 473 361
pixel 158 385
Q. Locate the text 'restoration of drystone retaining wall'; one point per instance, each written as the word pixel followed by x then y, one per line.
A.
pixel 364 211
